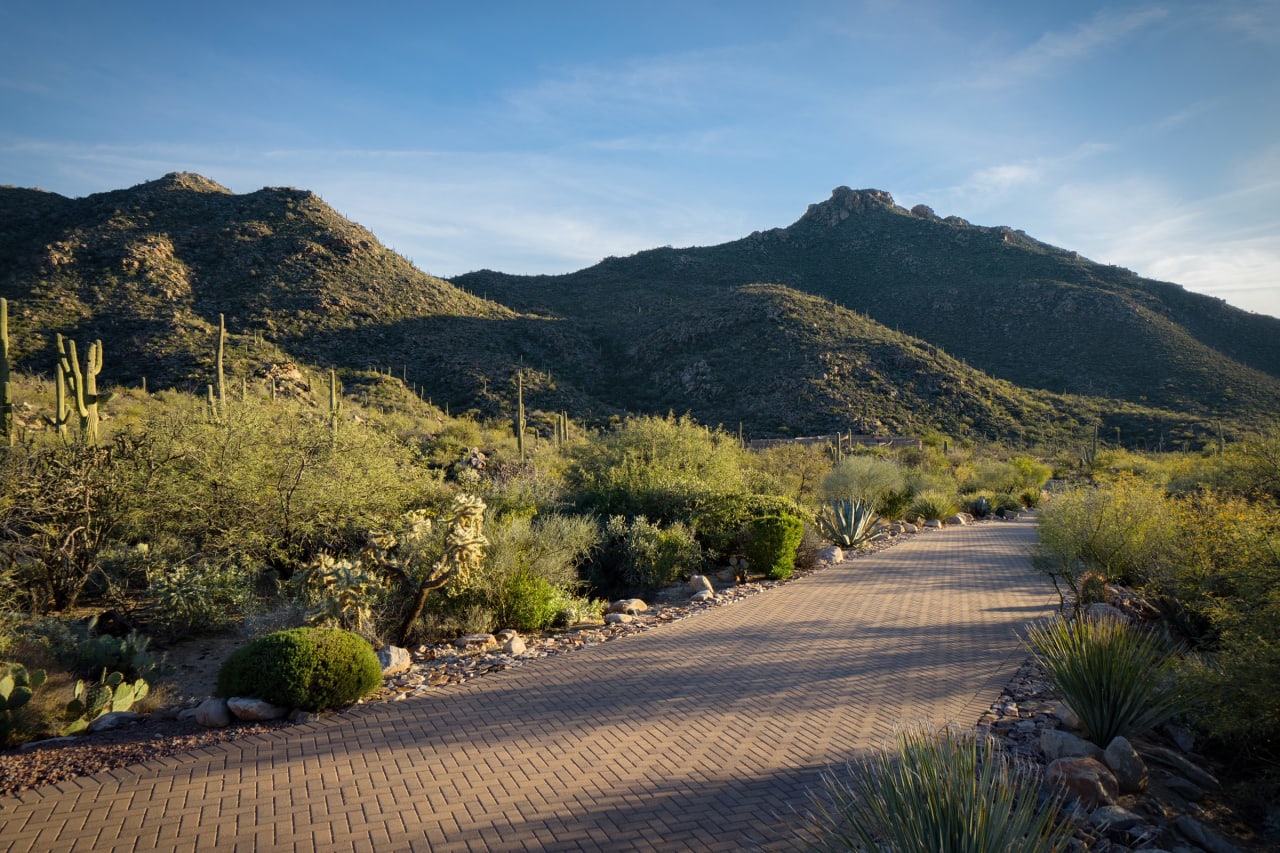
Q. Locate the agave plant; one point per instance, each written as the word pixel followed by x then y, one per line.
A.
pixel 1117 678
pixel 847 523
pixel 944 791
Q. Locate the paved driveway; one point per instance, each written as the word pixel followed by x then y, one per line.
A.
pixel 700 735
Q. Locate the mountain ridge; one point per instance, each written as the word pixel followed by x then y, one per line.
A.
pixel 860 314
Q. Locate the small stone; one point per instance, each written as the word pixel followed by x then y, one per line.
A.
pixel 213 714
pixel 1086 779
pixel 704 595
pixel 908 527
pixel 956 520
pixel 700 583
pixel 933 523
pixel 619 618
pixel 255 710
pixel 1105 611
pixel 831 554
pixel 515 646
pixel 394 660
pixel 628 605
pixel 1125 763
pixel 1055 744
pixel 113 720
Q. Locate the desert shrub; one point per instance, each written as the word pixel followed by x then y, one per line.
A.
pixel 1020 474
pixel 311 668
pixel 865 479
pixel 531 570
pixel 792 470
pixel 200 598
pixel 1117 678
pixel 268 483
pixel 59 508
pixel 771 546
pixel 641 555
pixel 946 791
pixel 1120 530
pixel 932 505
pixel 722 521
pixel 661 468
pixel 1005 502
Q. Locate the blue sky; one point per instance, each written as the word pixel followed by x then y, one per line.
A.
pixel 537 137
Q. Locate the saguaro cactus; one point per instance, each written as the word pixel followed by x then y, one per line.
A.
pixel 335 406
pixel 222 377
pixel 6 383
pixel 519 424
pixel 83 384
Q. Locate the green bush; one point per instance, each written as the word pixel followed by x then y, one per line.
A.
pixel 722 522
pixel 772 545
pixel 310 668
pixel 644 556
pixel 941 792
pixel 528 604
pixel 661 468
pixel 1120 530
pixel 1118 679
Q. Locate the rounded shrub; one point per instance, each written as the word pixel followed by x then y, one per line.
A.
pixel 528 603
pixel 772 545
pixel 932 506
pixel 310 668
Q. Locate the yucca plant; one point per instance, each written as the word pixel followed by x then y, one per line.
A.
pixel 1117 678
pixel 937 792
pixel 847 523
pixel 932 506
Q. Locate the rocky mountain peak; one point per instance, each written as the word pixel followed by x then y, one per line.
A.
pixel 188 181
pixel 844 203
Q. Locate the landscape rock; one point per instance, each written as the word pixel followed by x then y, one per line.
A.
pixel 515 645
pixel 628 605
pixel 1181 736
pixel 1085 779
pixel 1106 611
pixel 476 642
pixel 213 714
pixel 1183 766
pixel 704 595
pixel 255 710
pixel 506 634
pixel 394 660
pixel 1066 716
pixel 618 618
pixel 831 554
pixel 1200 835
pixel 1115 817
pixel 956 520
pixel 31 745
pixel 701 583
pixel 933 523
pixel 1055 744
pixel 113 720
pixel 1129 769
pixel 908 527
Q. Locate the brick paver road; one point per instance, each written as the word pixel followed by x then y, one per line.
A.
pixel 700 735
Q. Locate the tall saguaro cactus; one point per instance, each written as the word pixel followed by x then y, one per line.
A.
pixel 6 383
pixel 335 407
pixel 519 424
pixel 222 377
pixel 83 384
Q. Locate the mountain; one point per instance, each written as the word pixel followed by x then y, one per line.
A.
pixel 1018 309
pixel 861 316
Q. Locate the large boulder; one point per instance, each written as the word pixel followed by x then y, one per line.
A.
pixel 1129 769
pixel 394 660
pixel 701 583
pixel 1055 744
pixel 1087 780
pixel 213 714
pixel 628 605
pixel 255 710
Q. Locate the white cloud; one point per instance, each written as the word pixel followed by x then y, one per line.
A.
pixel 1055 48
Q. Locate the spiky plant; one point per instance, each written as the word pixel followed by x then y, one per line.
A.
pixel 1117 678
pixel 847 523
pixel 937 791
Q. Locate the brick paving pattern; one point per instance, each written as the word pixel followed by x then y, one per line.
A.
pixel 700 735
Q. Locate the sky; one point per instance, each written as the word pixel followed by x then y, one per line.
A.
pixel 539 137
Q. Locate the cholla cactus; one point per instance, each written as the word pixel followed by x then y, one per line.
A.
pixel 343 589
pixel 463 553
